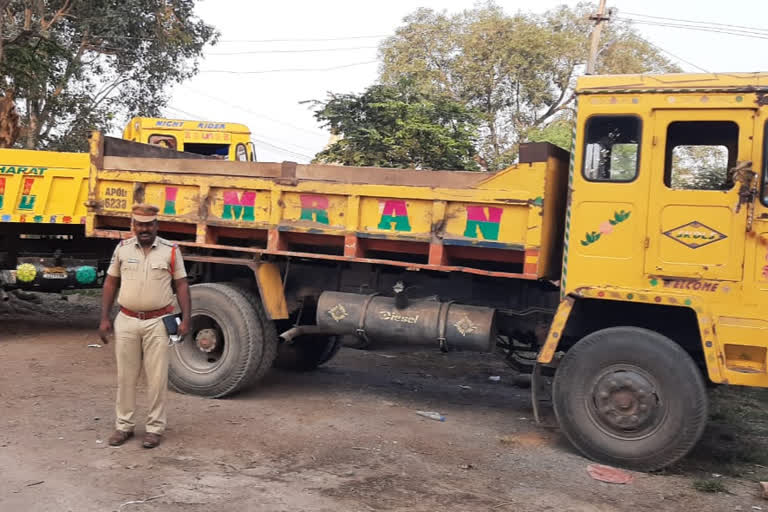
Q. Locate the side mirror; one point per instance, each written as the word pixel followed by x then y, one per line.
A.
pixel 746 178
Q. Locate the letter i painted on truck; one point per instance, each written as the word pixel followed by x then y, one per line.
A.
pixel 27 201
pixel 314 208
pixel 170 200
pixel 2 192
pixel 483 221
pixel 239 206
pixel 394 215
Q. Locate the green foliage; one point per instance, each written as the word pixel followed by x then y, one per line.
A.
pixel 559 132
pixel 77 65
pixel 517 71
pixel 398 126
pixel 699 167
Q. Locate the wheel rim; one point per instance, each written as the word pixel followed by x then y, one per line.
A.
pixel 625 402
pixel 196 354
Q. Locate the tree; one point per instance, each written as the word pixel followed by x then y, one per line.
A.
pixel 398 126
pixel 517 71
pixel 77 65
pixel 558 132
pixel 699 167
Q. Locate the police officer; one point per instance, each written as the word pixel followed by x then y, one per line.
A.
pixel 145 269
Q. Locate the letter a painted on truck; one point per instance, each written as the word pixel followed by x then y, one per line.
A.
pixel 481 223
pixel 394 215
pixel 239 207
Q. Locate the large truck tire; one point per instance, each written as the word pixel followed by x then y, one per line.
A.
pixel 630 397
pixel 306 353
pixel 232 345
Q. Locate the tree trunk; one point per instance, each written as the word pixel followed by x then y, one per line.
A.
pixel 32 128
pixel 9 120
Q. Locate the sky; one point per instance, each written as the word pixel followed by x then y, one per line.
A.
pixel 272 56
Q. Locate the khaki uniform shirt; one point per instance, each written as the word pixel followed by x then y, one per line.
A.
pixel 145 281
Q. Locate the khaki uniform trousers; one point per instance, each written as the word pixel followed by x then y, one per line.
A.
pixel 136 340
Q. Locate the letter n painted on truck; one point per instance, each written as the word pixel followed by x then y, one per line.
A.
pixel 239 206
pixel 483 221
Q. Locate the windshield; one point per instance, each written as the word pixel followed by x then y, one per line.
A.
pixel 217 150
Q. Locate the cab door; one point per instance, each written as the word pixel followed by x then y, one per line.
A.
pixel 696 226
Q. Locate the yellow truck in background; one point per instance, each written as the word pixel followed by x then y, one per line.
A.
pixel 43 196
pixel 225 141
pixel 630 270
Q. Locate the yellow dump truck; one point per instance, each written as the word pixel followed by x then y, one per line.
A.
pixel 632 269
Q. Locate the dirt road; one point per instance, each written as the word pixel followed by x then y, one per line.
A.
pixel 344 438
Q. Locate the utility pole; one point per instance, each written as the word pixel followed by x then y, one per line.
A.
pixel 594 46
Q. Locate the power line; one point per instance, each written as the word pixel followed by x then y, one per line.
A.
pixel 284 150
pixel 253 113
pixel 722 30
pixel 304 40
pixel 697 22
pixel 286 40
pixel 255 140
pixel 295 70
pixel 675 56
pixel 753 35
pixel 183 112
pixel 304 50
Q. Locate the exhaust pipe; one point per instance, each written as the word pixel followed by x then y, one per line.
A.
pixel 375 318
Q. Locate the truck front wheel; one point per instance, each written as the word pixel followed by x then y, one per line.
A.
pixel 630 397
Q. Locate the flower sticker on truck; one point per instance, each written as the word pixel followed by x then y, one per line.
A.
pixel 606 228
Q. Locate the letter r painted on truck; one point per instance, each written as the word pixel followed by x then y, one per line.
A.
pixel 314 208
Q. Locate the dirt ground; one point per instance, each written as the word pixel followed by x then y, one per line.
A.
pixel 343 438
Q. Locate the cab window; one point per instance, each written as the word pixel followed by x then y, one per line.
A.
pixel 612 148
pixel 699 155
pixel 166 141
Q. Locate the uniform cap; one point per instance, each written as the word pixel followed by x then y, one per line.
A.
pixel 145 212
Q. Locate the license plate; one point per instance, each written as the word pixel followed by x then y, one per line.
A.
pixel 54 275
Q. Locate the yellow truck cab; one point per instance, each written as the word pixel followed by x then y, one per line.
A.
pixel 669 208
pixel 666 248
pixel 227 141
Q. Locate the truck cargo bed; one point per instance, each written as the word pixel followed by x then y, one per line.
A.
pixel 507 223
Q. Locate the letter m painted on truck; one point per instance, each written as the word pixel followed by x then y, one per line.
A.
pixel 239 206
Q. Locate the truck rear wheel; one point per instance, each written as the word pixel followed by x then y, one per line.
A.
pixel 630 397
pixel 231 345
pixel 307 353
